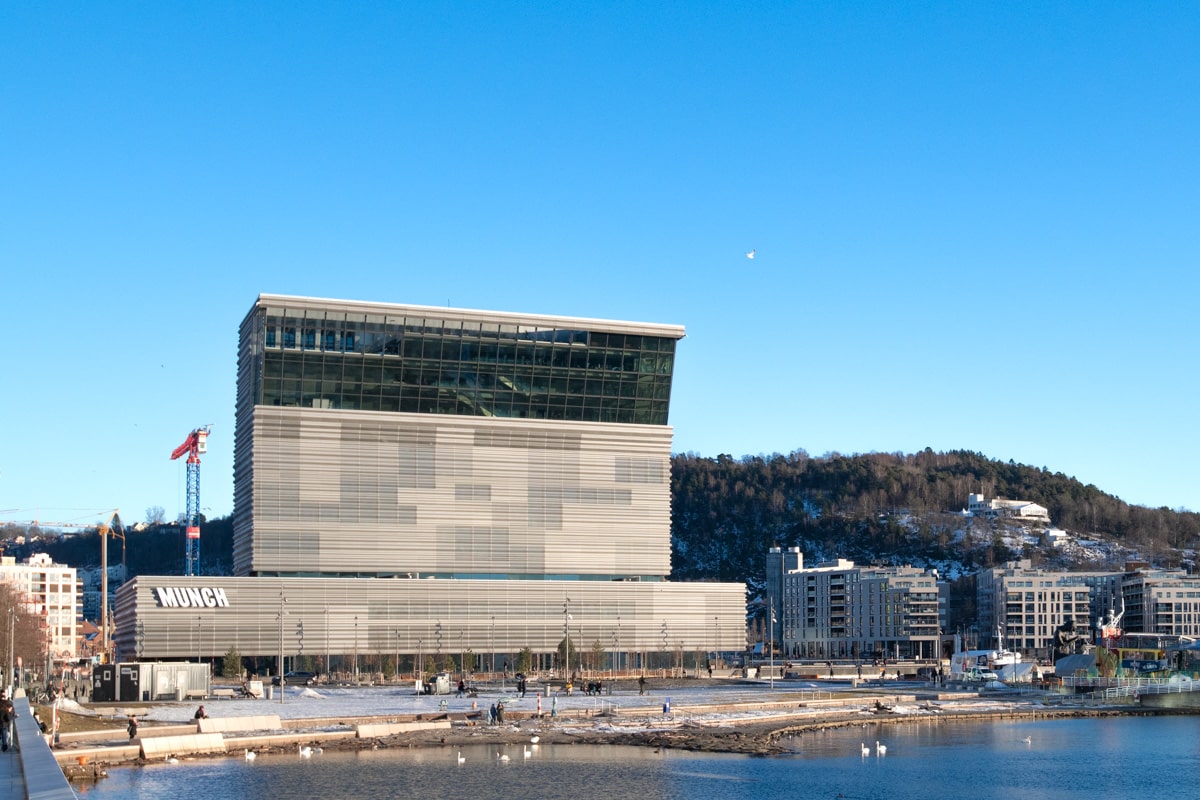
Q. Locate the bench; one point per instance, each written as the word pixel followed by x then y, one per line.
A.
pixel 195 694
pixel 224 694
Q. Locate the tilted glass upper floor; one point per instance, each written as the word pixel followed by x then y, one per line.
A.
pixel 377 357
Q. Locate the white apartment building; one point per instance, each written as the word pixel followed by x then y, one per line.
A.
pixel 52 592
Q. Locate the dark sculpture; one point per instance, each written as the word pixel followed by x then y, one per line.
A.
pixel 1065 640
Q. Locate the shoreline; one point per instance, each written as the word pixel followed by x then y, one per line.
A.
pixel 696 728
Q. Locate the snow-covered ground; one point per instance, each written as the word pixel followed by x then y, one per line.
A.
pixel 687 704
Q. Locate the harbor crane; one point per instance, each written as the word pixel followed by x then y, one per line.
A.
pixel 195 444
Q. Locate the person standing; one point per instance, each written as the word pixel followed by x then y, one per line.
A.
pixel 132 727
pixel 7 715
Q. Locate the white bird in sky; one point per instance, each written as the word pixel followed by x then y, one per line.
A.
pixel 750 255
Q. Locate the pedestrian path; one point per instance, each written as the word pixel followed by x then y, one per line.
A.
pixel 12 783
pixel 31 771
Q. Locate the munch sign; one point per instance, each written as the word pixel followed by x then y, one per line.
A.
pixel 190 597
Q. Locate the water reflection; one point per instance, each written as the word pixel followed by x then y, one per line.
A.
pixel 1063 760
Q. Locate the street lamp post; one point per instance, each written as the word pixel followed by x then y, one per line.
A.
pixel 356 649
pixel 566 637
pixel 279 669
pixel 716 639
pixel 666 639
pixel 493 647
pixel 771 644
pixel 9 675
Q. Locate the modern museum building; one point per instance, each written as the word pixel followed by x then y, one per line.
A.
pixel 414 480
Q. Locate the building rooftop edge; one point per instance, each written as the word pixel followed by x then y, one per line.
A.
pixel 364 306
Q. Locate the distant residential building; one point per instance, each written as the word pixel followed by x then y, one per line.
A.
pixel 1025 605
pixel 50 591
pixel 838 609
pixel 1161 601
pixel 979 506
pixel 1057 537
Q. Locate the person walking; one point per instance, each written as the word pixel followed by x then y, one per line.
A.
pixel 7 715
pixel 641 684
pixel 132 728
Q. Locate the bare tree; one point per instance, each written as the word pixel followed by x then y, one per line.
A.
pixel 155 515
pixel 28 630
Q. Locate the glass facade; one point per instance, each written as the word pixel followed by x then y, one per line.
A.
pixel 428 364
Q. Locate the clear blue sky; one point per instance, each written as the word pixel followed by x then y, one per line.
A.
pixel 976 224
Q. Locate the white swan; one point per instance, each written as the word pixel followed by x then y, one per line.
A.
pixel 1028 740
pixel 461 760
pixel 528 754
pixel 880 749
pixel 503 758
pixel 171 759
pixel 305 752
pixel 534 739
pixel 866 751
pixel 250 755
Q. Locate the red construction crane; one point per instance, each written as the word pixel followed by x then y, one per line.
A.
pixel 195 444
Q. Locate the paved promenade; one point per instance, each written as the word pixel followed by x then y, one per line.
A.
pixel 29 770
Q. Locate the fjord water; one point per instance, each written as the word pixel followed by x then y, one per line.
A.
pixel 1063 760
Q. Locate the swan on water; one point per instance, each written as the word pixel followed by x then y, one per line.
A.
pixel 880 749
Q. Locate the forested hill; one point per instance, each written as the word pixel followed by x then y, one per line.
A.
pixel 877 507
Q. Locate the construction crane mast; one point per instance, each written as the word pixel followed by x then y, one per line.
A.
pixel 195 444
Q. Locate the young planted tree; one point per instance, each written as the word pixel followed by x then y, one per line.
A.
pixel 525 661
pixel 231 664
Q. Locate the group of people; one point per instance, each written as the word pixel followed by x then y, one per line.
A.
pixel 496 713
